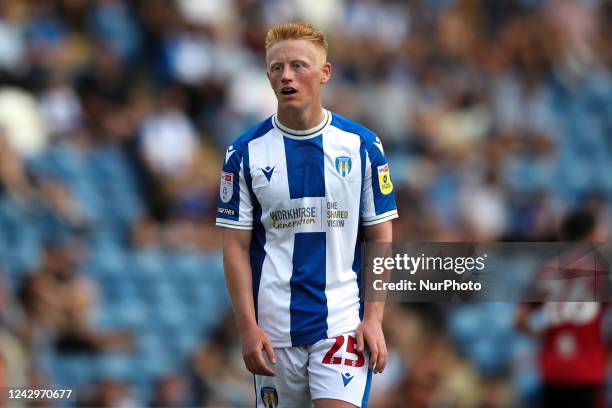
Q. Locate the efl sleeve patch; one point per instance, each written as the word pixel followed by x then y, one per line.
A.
pixel 227 186
pixel 384 179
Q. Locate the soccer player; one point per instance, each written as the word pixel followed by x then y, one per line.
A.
pixel 299 191
pixel 573 353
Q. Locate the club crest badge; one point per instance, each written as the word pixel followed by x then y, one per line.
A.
pixel 343 165
pixel 227 186
pixel 384 179
pixel 269 397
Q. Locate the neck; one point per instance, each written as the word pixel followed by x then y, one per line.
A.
pixel 301 120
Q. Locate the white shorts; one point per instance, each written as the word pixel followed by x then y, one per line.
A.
pixel 330 368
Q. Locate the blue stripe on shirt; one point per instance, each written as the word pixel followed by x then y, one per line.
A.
pixel 308 306
pixel 305 167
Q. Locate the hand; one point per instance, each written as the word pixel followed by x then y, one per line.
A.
pixel 370 332
pixel 254 341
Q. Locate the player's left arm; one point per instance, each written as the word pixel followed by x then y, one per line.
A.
pixel 370 331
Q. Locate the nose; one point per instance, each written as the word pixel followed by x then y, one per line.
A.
pixel 287 75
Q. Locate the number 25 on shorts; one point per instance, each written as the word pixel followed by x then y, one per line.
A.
pixel 351 348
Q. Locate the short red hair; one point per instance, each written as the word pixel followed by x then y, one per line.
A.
pixel 296 31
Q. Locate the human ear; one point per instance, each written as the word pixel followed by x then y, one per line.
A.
pixel 326 72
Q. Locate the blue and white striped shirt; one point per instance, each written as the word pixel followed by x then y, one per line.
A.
pixel 306 196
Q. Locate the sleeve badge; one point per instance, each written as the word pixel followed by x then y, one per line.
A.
pixel 227 186
pixel 384 179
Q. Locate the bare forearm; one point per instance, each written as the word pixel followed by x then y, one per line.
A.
pixel 374 311
pixel 238 278
pixel 382 233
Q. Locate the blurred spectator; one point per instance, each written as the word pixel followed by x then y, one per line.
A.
pixel 63 213
pixel 113 23
pixel 220 371
pixel 47 36
pixel 60 107
pixel 12 41
pixel 109 393
pixel 437 378
pixel 206 13
pixel 497 392
pixel 173 390
pixel 14 180
pixel 484 209
pixel 146 233
pixel 190 54
pixel 103 82
pixel 13 356
pixel 59 302
pixel 22 123
pixel 168 138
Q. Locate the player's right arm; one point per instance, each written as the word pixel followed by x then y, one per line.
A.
pixel 240 286
pixel 235 215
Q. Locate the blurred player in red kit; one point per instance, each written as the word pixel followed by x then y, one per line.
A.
pixel 573 351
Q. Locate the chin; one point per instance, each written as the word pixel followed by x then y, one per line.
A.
pixel 291 105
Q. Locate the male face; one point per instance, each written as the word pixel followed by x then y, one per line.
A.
pixel 296 70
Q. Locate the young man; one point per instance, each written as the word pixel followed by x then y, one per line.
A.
pixel 298 193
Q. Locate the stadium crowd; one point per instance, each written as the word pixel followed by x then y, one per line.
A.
pixel 114 116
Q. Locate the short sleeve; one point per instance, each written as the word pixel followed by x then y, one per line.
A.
pixel 235 209
pixel 377 197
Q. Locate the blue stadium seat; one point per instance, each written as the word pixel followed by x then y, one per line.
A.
pixel 132 313
pixel 114 178
pixel 464 324
pixel 117 366
pixel 72 371
pixel 526 379
pixel 153 360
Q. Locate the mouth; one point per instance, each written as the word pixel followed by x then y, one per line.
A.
pixel 288 90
